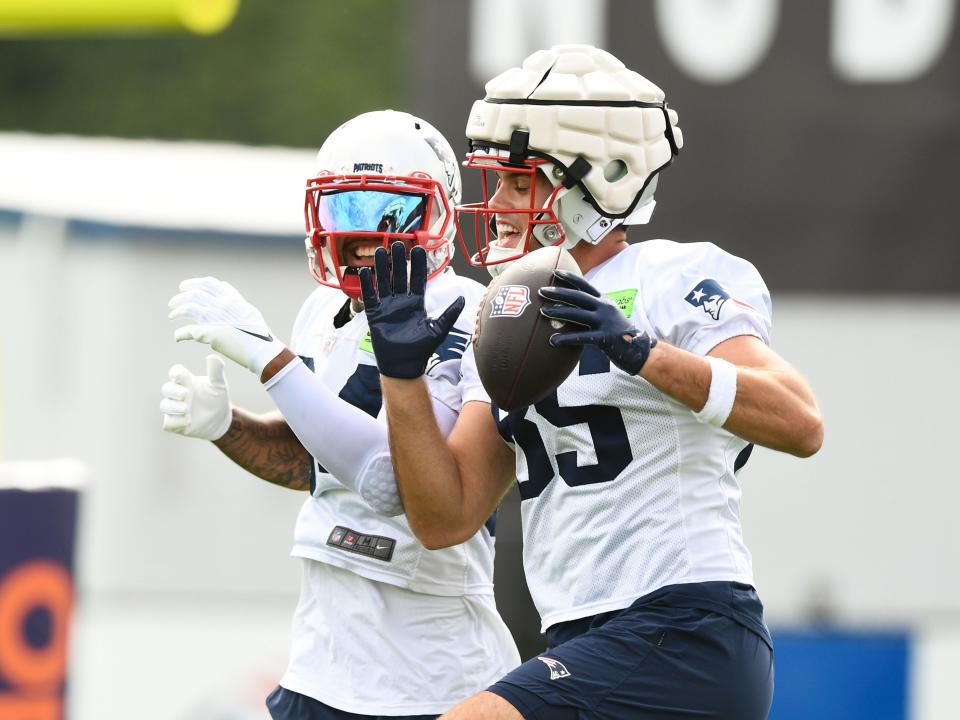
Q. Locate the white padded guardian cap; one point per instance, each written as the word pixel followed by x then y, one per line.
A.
pixel 605 129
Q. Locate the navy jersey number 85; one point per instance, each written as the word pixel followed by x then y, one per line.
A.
pixel 607 431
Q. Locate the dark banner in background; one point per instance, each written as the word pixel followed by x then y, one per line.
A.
pixel 821 138
pixel 37 530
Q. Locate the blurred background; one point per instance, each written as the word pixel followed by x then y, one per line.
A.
pixel 821 143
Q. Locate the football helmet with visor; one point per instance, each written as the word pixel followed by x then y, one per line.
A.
pixel 382 176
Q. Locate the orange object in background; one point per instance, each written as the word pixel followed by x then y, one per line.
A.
pixel 26 707
pixel 35 585
pixel 38 518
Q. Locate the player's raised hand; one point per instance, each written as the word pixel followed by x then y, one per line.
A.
pixel 220 317
pixel 197 406
pixel 601 322
pixel 404 338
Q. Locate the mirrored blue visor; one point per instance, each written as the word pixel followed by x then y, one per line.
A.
pixel 371 211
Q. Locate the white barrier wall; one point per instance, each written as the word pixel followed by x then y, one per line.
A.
pixel 866 529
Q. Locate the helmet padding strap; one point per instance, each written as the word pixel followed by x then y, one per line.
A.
pixel 576 172
pixel 519 142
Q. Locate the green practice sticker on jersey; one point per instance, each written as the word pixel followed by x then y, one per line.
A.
pixel 367 344
pixel 623 299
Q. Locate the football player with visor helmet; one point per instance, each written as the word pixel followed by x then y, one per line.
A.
pixel 383 627
pixel 633 546
pixel 352 207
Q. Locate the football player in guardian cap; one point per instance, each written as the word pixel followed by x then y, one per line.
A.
pixel 383 627
pixel 633 548
pixel 582 149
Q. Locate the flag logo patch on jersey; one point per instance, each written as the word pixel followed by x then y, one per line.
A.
pixel 709 297
pixel 557 669
pixel 510 301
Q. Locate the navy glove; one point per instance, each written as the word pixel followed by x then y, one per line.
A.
pixel 404 338
pixel 604 324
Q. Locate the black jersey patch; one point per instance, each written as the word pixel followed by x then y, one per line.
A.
pixel 375 546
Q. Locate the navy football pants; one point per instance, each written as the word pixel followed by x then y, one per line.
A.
pixel 646 663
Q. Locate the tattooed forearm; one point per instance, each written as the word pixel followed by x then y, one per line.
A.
pixel 266 446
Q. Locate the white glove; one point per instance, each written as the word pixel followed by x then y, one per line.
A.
pixel 222 319
pixel 197 405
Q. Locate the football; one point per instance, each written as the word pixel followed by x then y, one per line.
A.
pixel 515 361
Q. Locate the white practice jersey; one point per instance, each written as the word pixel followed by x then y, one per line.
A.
pixel 374 658
pixel 623 490
pixel 343 358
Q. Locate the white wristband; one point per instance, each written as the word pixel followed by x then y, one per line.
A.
pixel 723 391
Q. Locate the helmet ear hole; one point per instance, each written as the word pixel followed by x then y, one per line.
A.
pixel 615 170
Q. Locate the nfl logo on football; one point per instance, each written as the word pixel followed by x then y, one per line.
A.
pixel 510 301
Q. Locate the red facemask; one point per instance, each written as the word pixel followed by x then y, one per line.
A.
pixel 478 235
pixel 343 210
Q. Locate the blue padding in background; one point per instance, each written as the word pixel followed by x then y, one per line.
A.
pixel 838 675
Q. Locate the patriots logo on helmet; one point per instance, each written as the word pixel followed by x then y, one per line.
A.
pixel 510 301
pixel 450 167
pixel 708 296
pixel 557 669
